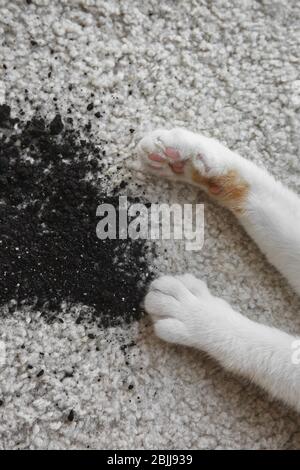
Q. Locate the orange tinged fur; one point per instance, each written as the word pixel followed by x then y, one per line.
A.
pixel 229 189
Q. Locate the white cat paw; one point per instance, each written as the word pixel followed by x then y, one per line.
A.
pixel 188 157
pixel 166 152
pixel 183 310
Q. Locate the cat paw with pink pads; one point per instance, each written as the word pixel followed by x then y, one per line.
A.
pixel 157 155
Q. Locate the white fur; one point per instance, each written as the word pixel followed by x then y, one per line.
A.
pixel 183 309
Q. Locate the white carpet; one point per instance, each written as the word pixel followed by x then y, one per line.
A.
pixel 229 69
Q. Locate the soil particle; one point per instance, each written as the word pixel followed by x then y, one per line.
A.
pixel 4 113
pixel 56 126
pixel 71 416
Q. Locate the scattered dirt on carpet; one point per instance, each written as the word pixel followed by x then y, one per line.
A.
pixel 49 252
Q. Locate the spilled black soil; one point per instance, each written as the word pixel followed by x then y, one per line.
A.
pixel 49 251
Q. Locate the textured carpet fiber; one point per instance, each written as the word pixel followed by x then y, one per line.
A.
pixel 229 69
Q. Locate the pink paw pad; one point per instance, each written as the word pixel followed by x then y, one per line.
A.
pixel 155 157
pixel 156 160
pixel 172 153
pixel 177 167
pixel 215 189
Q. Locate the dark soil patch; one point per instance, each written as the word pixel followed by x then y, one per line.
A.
pixel 49 251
